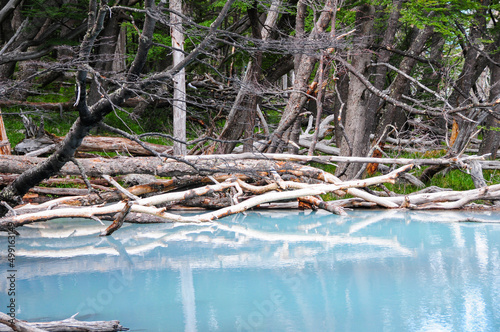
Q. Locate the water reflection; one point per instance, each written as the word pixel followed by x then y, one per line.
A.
pixel 269 271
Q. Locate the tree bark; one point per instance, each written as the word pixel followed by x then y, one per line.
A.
pixel 104 55
pixel 179 102
pixel 491 137
pixel 380 75
pixel 392 114
pixel 472 68
pixel 8 8
pixel 357 124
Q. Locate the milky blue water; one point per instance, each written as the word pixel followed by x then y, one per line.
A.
pixel 267 271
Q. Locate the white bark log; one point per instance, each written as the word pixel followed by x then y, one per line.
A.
pixel 69 324
pixel 179 103
pixel 454 199
pixel 310 190
pixel 16 325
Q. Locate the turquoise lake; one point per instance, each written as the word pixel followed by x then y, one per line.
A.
pixel 266 271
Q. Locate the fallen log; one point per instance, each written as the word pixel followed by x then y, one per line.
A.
pixel 167 167
pixel 211 164
pixel 6 179
pixel 108 144
pixel 69 324
pixel 328 206
pixel 59 191
pixel 450 199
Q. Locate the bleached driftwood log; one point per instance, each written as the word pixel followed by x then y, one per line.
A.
pixel 449 199
pixel 441 200
pixel 147 205
pixel 69 324
pixel 13 324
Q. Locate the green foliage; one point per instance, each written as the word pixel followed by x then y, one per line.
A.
pixel 445 14
pixel 491 176
pixel 53 123
pixel 242 5
pixel 158 52
pixel 62 12
pixel 489 128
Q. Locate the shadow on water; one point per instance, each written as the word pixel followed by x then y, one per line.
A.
pixel 268 271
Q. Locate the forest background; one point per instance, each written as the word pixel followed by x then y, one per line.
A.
pixel 353 79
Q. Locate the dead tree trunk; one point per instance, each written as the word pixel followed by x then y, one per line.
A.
pixel 357 124
pixel 473 66
pixel 491 137
pixel 179 102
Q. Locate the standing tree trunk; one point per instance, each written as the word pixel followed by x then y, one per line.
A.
pixel 491 138
pixel 393 114
pixel 293 133
pixel 383 56
pixel 104 56
pixel 356 123
pixel 179 102
pixel 473 66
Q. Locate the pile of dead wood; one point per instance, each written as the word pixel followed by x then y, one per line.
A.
pixel 224 184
